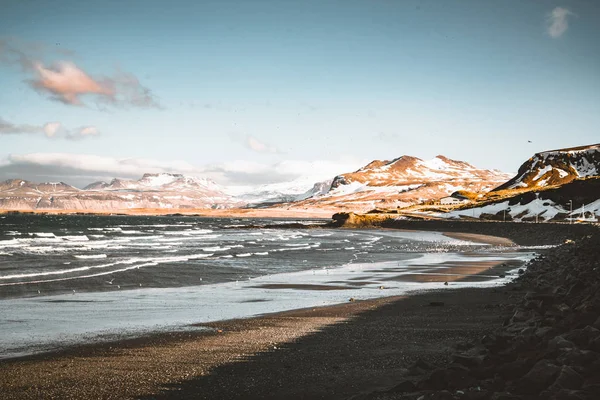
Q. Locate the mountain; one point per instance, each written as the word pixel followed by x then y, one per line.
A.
pixel 151 191
pixel 556 167
pixel 403 181
pixel 283 192
pixel 551 185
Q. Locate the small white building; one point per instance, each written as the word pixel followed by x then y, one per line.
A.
pixel 449 200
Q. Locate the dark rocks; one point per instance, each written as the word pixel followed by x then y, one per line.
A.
pixel 549 344
pixel 538 378
pixel 568 378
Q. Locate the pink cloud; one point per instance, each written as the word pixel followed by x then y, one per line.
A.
pixel 66 83
pixel 70 84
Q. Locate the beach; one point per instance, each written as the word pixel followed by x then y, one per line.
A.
pixel 338 351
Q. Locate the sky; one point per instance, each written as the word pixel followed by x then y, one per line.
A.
pixel 263 91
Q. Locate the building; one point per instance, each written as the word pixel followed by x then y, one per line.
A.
pixel 450 200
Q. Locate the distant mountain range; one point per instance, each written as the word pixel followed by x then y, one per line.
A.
pixel 152 191
pixel 547 185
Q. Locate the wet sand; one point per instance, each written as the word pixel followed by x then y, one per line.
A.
pixel 329 352
pixel 487 239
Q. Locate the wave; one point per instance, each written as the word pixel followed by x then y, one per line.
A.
pixel 44 234
pixel 75 238
pixel 91 256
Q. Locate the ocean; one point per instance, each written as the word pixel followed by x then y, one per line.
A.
pixel 71 279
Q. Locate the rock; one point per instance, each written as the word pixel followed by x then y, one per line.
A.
pixel 559 342
pixel 566 394
pixel 514 369
pixel 436 304
pixel 576 357
pixel 405 386
pixel 468 360
pixel 505 396
pixel 543 332
pixel 450 378
pixel 521 316
pixel 582 337
pixel 419 367
pixel 568 378
pixel 538 378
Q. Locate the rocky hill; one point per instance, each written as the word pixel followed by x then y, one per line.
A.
pixel 151 191
pixel 556 167
pixel 551 185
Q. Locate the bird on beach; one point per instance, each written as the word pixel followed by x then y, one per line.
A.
pixel 73 291
pixel 118 286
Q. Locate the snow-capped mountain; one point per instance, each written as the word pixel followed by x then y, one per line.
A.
pixel 404 181
pixel 282 192
pixel 152 191
pixel 158 182
pixel 556 184
pixel 556 167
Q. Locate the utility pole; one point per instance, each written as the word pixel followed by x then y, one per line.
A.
pixel 537 200
pixel 571 211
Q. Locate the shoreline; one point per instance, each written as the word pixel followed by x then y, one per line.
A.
pixel 149 367
pixel 192 212
pixel 154 348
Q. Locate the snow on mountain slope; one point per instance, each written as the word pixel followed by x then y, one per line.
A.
pixel 556 167
pixel 403 181
pixel 577 199
pixel 282 192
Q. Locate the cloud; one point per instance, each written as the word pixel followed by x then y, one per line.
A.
pixel 52 130
pixel 557 22
pixel 260 147
pixel 8 128
pixel 82 169
pixel 68 83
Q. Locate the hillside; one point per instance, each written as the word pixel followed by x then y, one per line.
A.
pixel 556 167
pixel 551 185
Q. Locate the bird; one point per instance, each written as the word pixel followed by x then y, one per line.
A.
pixel 73 291
pixel 38 292
pixel 118 286
pixel 110 282
pixel 529 141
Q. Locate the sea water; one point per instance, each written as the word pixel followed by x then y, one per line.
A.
pixel 68 279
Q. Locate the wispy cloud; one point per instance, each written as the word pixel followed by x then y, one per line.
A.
pixel 52 130
pixel 558 21
pixel 68 83
pixel 260 147
pixel 8 128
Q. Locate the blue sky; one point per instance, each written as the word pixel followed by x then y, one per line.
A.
pixel 263 91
